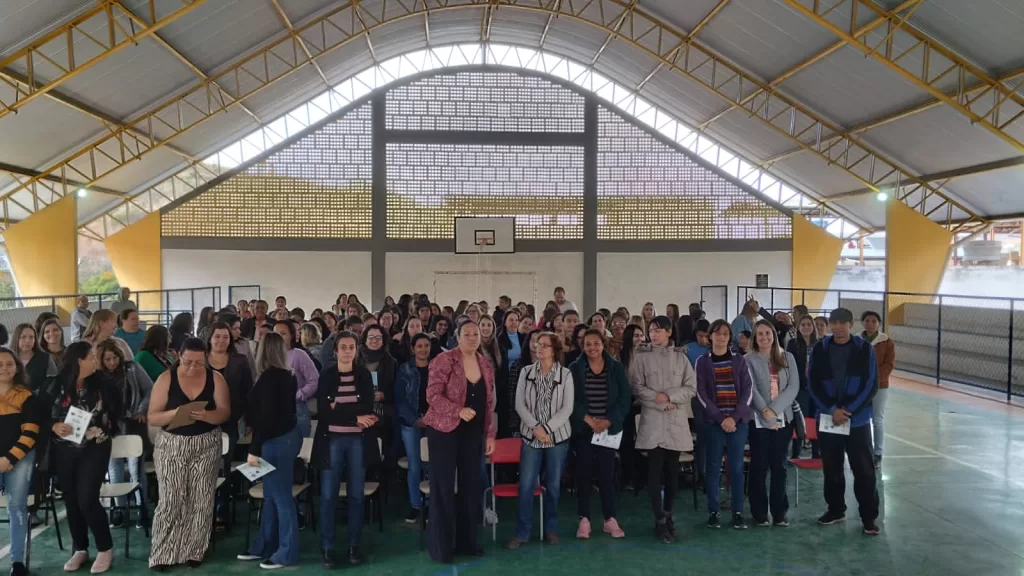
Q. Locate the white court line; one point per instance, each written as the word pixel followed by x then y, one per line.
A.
pixel 35 533
pixel 955 460
pixel 912 457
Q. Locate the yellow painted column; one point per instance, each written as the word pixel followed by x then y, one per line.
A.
pixel 43 250
pixel 135 256
pixel 815 257
pixel 916 254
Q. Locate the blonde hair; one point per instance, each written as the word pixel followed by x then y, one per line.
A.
pixel 271 353
pixel 93 328
pixel 309 334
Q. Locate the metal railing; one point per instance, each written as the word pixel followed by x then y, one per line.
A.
pixel 972 340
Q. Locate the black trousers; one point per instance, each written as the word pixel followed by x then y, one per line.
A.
pixel 768 451
pixel 455 518
pixel 662 463
pixel 81 471
pixel 631 476
pixel 857 446
pixel 594 460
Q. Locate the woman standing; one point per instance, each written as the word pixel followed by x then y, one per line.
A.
pixel 489 344
pixel 663 381
pixel 598 322
pixel 525 359
pixel 82 467
pixel 411 404
pixel 460 433
pixel 647 315
pixel 821 327
pixel 725 393
pixel 602 401
pixel 134 386
pixel 270 411
pixel 179 331
pixel 801 348
pixel 187 457
pixel 400 345
pixel 40 369
pixel 373 356
pixel 885 359
pixel 53 341
pixel 632 336
pixel 102 326
pixel 19 432
pixel 576 344
pixel 153 355
pixel 345 397
pixel 511 344
pixel 310 335
pixel 544 402
pixel 776 381
pixel 305 371
pixel 440 332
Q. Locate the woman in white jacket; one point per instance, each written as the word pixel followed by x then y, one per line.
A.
pixel 776 382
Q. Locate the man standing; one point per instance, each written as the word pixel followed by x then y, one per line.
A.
pixel 258 318
pixel 563 304
pixel 130 331
pixel 80 317
pixel 843 382
pixel 504 303
pixel 124 302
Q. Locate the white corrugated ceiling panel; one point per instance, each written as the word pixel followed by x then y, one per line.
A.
pixel 42 131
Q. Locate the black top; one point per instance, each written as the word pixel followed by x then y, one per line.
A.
pixel 424 378
pixel 476 398
pixel 239 379
pixel 176 397
pixel 271 410
pixel 727 357
pixel 97 396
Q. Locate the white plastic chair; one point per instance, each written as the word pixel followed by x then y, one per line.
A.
pixel 129 446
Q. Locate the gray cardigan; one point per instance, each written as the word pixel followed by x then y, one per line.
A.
pixel 558 426
pixel 789 385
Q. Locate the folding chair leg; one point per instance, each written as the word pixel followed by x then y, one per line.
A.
pixel 380 514
pixel 542 515
pixel 28 548
pixel 56 522
pixel 248 523
pixel 127 526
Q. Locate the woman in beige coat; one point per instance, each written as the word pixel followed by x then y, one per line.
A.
pixel 664 382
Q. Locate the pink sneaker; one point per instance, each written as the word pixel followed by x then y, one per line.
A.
pixel 611 526
pixel 583 532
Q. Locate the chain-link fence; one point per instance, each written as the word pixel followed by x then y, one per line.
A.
pixel 248 292
pixel 973 340
pixel 714 301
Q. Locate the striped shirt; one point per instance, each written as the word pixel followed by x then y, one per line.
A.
pixel 19 423
pixel 346 395
pixel 597 393
pixel 725 383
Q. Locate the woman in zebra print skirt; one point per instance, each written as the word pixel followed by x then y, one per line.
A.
pixel 187 458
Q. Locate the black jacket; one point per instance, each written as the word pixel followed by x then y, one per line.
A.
pixel 239 378
pixel 341 414
pixel 386 373
pixel 270 409
pixel 98 387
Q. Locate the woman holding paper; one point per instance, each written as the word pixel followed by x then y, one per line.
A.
pixel 19 432
pixel 776 382
pixel 602 402
pixel 544 402
pixel 663 381
pixel 86 415
pixel 190 401
pixel 275 439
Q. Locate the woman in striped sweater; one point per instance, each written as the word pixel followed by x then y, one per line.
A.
pixel 19 430
pixel 725 392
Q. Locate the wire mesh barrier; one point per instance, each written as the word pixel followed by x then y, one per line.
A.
pixel 154 306
pixel 972 340
pixel 247 292
pixel 714 301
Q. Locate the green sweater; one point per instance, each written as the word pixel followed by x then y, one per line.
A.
pixel 620 395
pixel 150 364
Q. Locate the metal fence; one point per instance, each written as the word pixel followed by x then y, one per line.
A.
pixel 154 306
pixel 246 292
pixel 714 301
pixel 972 340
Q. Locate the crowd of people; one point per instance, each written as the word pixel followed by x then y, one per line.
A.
pixel 587 400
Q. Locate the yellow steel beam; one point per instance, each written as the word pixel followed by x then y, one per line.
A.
pixel 907 7
pixel 101 27
pixel 646 33
pixel 690 36
pixel 897 51
pixel 302 44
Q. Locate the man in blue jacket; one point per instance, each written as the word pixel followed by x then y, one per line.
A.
pixel 843 381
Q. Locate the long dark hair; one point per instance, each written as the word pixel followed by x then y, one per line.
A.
pixel 42 330
pixel 182 324
pixel 213 328
pixel 626 353
pixel 73 354
pixel 526 357
pixel 577 329
pixel 293 331
pixel 20 380
pixel 156 341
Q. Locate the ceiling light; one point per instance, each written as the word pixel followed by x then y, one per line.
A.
pixel 882 196
pixel 82 192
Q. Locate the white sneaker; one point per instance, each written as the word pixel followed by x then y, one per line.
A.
pixel 249 557
pixel 270 565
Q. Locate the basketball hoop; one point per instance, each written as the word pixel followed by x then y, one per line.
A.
pixel 484 238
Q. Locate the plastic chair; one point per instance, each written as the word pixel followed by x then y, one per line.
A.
pixel 125 447
pixel 507 451
pixel 225 445
pixel 806 463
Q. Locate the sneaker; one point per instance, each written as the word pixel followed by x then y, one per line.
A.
pixel 103 562
pixel 515 543
pixel 327 559
pixel 583 531
pixel 878 461
pixel 713 521
pixel 671 525
pixel 552 538
pixel 302 522
pixel 611 526
pixel 738 522
pixel 782 523
pixel 413 516
pixel 355 556
pixel 116 519
pixel 78 559
pixel 249 557
pixel 829 518
pixel 871 528
pixel 18 569
pixel 662 534
pixel 270 565
pixel 763 523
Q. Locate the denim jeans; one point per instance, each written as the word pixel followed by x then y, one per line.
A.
pixel 115 471
pixel 411 440
pixel 346 455
pixel 278 538
pixel 878 420
pixel 16 484
pixel 717 441
pixel 531 461
pixel 304 419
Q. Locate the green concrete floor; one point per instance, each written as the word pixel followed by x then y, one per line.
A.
pixel 951 486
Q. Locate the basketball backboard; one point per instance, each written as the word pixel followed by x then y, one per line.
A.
pixel 485 235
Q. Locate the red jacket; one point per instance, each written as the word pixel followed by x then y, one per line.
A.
pixel 446 392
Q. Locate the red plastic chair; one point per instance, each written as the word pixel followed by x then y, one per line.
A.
pixel 806 463
pixel 506 451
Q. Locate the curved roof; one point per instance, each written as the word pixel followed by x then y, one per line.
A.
pixel 920 99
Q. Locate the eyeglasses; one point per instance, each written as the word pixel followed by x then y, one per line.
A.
pixel 374 339
pixel 539 345
pixel 192 363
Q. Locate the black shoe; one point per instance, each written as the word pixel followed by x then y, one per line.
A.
pixel 355 557
pixel 328 559
pixel 661 533
pixel 829 518
pixel 158 568
pixel 878 461
pixel 413 516
pixel 738 522
pixel 116 519
pixel 193 563
pixel 302 522
pixel 18 569
pixel 871 528
pixel 762 523
pixel 713 521
pixel 478 552
pixel 671 525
